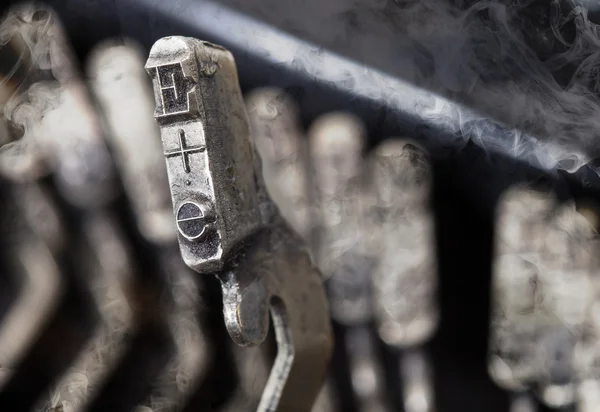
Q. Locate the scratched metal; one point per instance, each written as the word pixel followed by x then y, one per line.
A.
pixel 214 200
pixel 227 223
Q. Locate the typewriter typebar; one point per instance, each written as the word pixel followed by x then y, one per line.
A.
pixel 405 279
pixel 336 143
pixel 228 225
pixel 544 288
pixel 282 146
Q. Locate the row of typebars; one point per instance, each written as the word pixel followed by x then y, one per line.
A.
pixel 371 232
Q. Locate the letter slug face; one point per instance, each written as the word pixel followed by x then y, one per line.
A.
pixel 207 149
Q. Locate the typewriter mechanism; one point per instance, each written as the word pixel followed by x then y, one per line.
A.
pixel 282 206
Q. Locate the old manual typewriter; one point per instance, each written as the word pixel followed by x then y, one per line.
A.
pixel 260 205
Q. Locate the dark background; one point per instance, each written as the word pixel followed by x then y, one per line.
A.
pixel 467 182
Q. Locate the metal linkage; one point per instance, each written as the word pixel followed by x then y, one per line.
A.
pixel 227 224
pixel 253 365
pixel 283 147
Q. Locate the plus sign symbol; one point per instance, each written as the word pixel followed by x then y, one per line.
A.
pixel 192 220
pixel 183 150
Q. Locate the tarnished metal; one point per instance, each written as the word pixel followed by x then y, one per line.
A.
pixel 227 223
pixel 216 204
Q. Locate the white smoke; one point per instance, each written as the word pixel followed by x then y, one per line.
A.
pixel 32 89
pixel 34 30
pixel 535 90
pixel 515 76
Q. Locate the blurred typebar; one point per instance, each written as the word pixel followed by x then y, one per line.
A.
pixel 438 163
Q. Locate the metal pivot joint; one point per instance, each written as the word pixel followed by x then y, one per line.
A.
pixel 229 226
